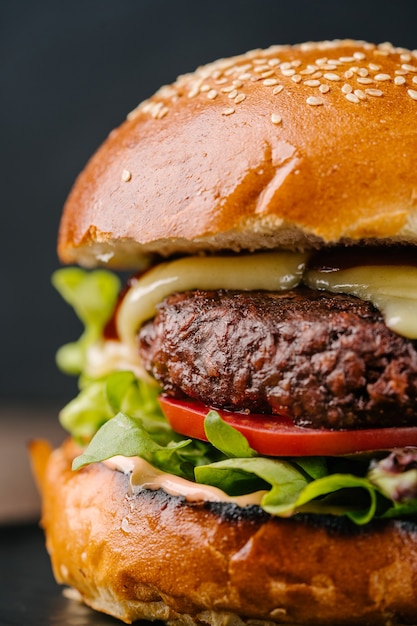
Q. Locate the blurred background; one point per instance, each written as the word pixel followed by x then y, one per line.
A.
pixel 70 71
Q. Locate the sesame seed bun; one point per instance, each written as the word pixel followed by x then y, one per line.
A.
pixel 293 146
pixel 153 556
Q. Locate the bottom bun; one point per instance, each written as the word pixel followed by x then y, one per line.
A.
pixel 149 555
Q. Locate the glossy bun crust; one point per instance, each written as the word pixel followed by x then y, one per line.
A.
pixel 293 146
pixel 149 555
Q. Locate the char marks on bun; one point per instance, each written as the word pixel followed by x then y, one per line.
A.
pixel 243 447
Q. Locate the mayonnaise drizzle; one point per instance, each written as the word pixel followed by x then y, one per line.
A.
pixel 145 476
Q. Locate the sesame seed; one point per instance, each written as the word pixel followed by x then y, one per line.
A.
pixel 274 62
pixel 364 80
pixel 349 73
pixel 205 88
pixel 126 176
pixel 229 111
pixel 245 76
pixel 316 75
pixel 386 46
pixel 312 83
pixel 331 76
pixel 362 71
pixel 221 81
pixel 296 78
pixel 267 74
pixel 240 98
pixel 409 68
pixel 415 79
pixel 162 112
pixel 405 57
pixel 346 59
pixel 276 90
pixel 285 66
pixel 237 83
pixel 352 98
pixel 412 93
pixel 147 106
pixel 313 101
pixel 374 67
pixel 228 89
pixel 263 68
pixel 233 94
pixel 374 92
pixel 157 110
pixel 296 63
pixel 382 77
pixel 328 66
pixel 270 81
pixel 399 80
pixel 401 72
pixel 286 72
pixel 212 94
pixel 347 88
pixel 310 69
pixel 359 56
pixel 276 119
pixel 324 88
pixel 194 92
pixel 360 94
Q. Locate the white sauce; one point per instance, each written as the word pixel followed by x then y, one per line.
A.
pixel 145 476
pixel 392 289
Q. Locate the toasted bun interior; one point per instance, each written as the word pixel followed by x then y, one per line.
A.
pixel 293 146
pixel 148 555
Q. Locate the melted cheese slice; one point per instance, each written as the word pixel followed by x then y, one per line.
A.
pixel 391 289
pixel 271 271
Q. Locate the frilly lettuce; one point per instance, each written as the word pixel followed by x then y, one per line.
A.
pixel 118 414
pixel 93 296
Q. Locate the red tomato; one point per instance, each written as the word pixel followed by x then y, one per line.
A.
pixel 274 435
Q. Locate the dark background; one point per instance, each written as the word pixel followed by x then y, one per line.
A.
pixel 70 71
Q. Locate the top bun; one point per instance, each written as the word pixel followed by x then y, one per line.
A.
pixel 292 146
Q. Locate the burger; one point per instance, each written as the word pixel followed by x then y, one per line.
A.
pixel 243 448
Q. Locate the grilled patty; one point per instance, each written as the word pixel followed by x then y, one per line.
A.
pixel 325 360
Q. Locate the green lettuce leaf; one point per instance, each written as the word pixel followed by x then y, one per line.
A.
pixel 120 415
pixel 224 474
pixel 225 438
pixel 101 399
pixel 126 435
pixel 93 296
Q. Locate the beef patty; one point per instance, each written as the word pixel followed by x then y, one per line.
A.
pixel 326 360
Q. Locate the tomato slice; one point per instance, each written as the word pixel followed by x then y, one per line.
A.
pixel 274 435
